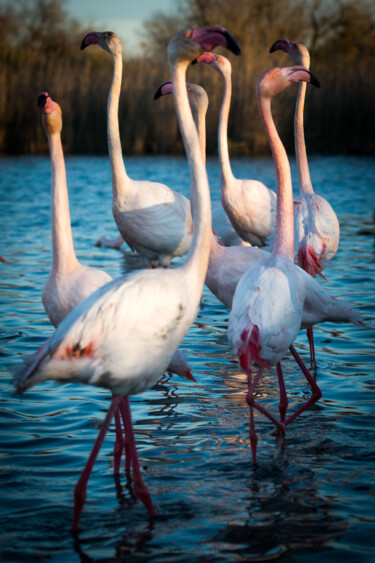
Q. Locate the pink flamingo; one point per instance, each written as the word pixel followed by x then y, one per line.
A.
pixel 69 282
pixel 122 337
pixel 227 264
pixel 152 219
pixel 249 204
pixel 268 302
pixel 317 230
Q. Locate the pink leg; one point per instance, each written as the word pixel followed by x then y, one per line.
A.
pixel 127 441
pixel 119 444
pixel 81 486
pixel 310 336
pixel 253 434
pixel 316 392
pixel 140 488
pixel 283 404
pixel 252 404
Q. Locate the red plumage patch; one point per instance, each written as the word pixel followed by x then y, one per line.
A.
pixel 309 261
pixel 248 354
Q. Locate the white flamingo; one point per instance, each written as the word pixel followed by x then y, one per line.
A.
pixel 268 302
pixel 153 220
pixel 122 337
pixel 316 227
pixel 227 265
pixel 70 282
pixel 249 204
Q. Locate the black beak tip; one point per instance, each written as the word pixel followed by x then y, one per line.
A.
pixel 272 48
pixel 194 62
pixel 83 44
pixel 42 98
pixel 158 93
pixel 314 81
pixel 232 44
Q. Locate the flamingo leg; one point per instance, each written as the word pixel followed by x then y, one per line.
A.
pixel 310 337
pixel 127 441
pixel 254 405
pixel 81 486
pixel 119 444
pixel 140 488
pixel 316 392
pixel 283 404
pixel 253 434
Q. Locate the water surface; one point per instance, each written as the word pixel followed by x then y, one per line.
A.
pixel 315 502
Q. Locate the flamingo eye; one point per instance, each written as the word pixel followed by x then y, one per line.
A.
pixel 187 34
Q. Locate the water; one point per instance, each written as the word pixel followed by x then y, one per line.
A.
pixel 315 503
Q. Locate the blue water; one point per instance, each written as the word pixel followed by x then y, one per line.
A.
pixel 316 502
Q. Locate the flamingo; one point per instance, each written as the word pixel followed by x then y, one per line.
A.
pixel 268 302
pixel 317 230
pixel 122 336
pixel 153 220
pixel 227 264
pixel 70 282
pixel 249 204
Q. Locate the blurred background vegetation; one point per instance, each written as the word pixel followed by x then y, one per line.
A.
pixel 40 50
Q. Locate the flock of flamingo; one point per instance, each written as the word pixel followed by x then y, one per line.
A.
pixel 123 334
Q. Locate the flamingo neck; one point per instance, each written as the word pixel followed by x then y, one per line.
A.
pixel 197 258
pixel 284 236
pixel 304 180
pixel 63 255
pixel 200 123
pixel 120 179
pixel 199 117
pixel 225 168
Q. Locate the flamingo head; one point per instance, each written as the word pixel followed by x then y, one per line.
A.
pixel 51 114
pixel 198 98
pixel 275 80
pixel 107 40
pixel 188 44
pixel 297 51
pixel 218 62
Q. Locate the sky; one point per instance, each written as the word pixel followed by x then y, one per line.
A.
pixel 124 17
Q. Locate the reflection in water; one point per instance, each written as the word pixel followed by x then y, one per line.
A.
pixel 312 498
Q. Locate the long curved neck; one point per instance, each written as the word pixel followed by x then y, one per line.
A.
pixel 225 168
pixel 200 123
pixel 63 255
pixel 199 117
pixel 119 176
pixel 284 236
pixel 197 259
pixel 304 180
